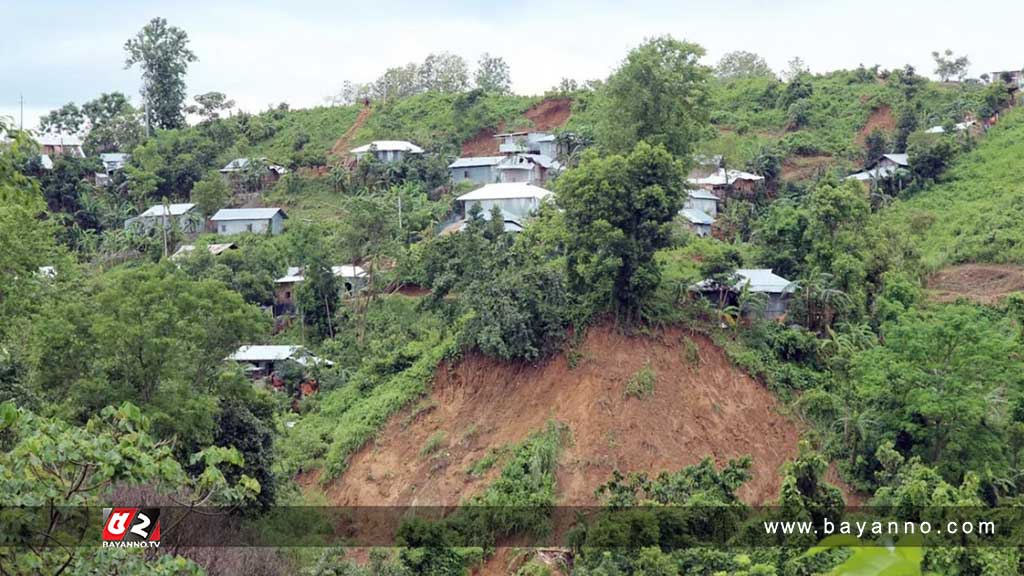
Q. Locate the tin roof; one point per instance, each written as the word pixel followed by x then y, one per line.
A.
pixel 171 209
pixel 696 216
pixel 48 139
pixel 701 194
pixel 386 145
pixel 295 274
pixel 505 191
pixel 722 177
pixel 247 214
pixel 476 161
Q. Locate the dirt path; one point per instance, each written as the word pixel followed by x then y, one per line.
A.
pixel 341 147
pixel 480 404
pixel 982 283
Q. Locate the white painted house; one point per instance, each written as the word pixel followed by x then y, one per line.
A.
pixel 516 200
pixel 387 150
pixel 256 220
pixel 186 216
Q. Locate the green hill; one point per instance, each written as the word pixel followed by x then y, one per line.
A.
pixel 974 213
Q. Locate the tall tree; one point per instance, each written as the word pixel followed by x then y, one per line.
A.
pixel 618 212
pixel 443 72
pixel 163 53
pixel 210 105
pixel 948 65
pixel 743 64
pixel 492 75
pixel 659 94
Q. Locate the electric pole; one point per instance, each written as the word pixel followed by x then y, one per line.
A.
pixel 21 104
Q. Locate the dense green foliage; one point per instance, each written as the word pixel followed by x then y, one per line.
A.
pixel 913 402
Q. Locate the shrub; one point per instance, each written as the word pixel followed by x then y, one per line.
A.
pixel 436 441
pixel 641 384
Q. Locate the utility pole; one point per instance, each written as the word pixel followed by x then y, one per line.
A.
pixel 21 103
pixel 399 212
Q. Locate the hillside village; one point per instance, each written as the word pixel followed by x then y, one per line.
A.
pixel 738 289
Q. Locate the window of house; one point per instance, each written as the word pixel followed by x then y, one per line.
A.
pixel 248 227
pixel 465 173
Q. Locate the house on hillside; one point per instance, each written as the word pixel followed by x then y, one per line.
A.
pixel 262 362
pixel 700 222
pixel 525 157
pixel 886 166
pixel 1015 77
pixel 387 150
pixel 114 161
pixel 727 182
pixel 777 291
pixel 236 171
pixel 353 279
pixel 185 216
pixel 702 200
pixel 478 170
pixel 528 143
pixel 516 200
pixel 213 249
pixel 52 145
pixel 959 127
pixel 230 221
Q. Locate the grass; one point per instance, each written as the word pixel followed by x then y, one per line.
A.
pixel 436 441
pixel 487 461
pixel 641 384
pixel 974 213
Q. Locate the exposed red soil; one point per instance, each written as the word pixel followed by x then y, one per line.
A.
pixel 483 144
pixel 341 147
pixel 982 283
pixel 881 119
pixel 797 168
pixel 550 114
pixel 545 115
pixel 479 404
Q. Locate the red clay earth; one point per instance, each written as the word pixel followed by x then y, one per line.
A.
pixel 546 115
pixel 881 119
pixel 983 283
pixel 696 410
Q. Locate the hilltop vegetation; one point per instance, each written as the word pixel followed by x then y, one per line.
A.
pixel 973 213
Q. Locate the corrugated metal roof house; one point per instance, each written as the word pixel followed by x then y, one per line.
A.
pixel 257 220
pixel 184 215
pixel 387 150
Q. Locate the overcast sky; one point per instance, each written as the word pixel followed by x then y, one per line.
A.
pixel 299 51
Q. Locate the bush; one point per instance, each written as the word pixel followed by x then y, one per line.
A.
pixel 641 384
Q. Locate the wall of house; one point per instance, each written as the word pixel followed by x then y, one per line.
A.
pixel 512 208
pixel 709 207
pixel 475 174
pixel 185 223
pixel 700 229
pixel 229 227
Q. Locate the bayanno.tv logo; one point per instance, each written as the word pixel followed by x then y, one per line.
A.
pixel 131 527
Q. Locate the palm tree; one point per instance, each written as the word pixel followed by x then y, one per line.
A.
pixel 855 425
pixel 821 299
